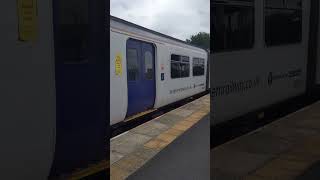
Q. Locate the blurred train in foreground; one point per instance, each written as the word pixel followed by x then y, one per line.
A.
pixel 149 70
pixel 54 73
pixel 53 91
pixel 264 52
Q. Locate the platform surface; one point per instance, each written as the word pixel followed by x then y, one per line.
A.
pixel 133 149
pixel 187 158
pixel 288 148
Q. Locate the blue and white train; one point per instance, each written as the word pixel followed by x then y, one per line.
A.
pixel 149 70
pixel 54 83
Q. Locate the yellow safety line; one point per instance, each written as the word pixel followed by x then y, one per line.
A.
pixel 92 169
pixel 139 115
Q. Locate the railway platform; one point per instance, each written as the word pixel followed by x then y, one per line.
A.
pixel 288 148
pixel 139 152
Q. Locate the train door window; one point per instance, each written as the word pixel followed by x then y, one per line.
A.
pixel 175 66
pixel 233 25
pixel 133 65
pixel 71 31
pixel 148 65
pixel 185 66
pixel 180 66
pixel 198 67
pixel 283 22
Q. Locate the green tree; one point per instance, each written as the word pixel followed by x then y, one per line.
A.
pixel 202 39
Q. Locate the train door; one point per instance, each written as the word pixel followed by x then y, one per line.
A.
pixel 140 76
pixel 81 84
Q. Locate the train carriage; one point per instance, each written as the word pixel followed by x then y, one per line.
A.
pixel 264 52
pixel 149 70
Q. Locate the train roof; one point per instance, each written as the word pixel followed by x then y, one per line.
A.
pixel 113 18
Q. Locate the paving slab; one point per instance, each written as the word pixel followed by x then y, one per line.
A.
pixel 169 118
pixel 128 142
pixel 151 128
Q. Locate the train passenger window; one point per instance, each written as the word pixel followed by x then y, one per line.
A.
pixel 180 66
pixel 185 59
pixel 233 27
pixel 283 22
pixel 175 70
pixel 291 4
pixel 71 31
pixel 185 66
pixel 175 57
pixel 295 4
pixel 198 67
pixel 133 65
pixel 148 65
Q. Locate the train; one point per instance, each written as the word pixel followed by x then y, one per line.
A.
pixel 55 73
pixel 149 70
pixel 54 87
pixel 55 92
pixel 264 52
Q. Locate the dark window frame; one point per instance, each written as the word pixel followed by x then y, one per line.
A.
pixel 145 75
pixel 142 68
pixel 72 33
pixel 299 42
pixel 138 65
pixel 179 62
pixel 199 64
pixel 250 4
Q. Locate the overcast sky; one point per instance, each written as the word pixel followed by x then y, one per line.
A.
pixel 176 18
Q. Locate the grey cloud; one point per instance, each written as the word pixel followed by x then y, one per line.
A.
pixel 177 18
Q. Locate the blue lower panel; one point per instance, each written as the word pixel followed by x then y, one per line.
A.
pixel 81 126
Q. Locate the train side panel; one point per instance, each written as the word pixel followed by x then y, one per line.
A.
pixel 174 89
pixel 118 77
pixel 247 80
pixel 160 73
pixel 27 91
